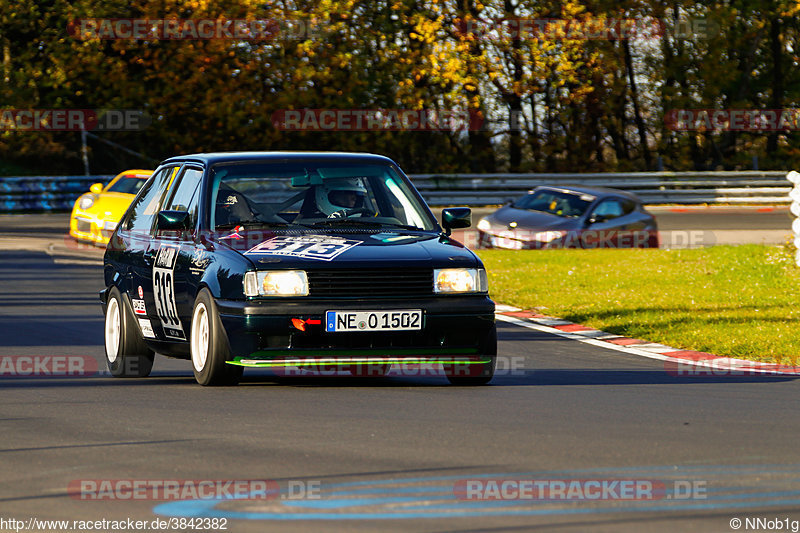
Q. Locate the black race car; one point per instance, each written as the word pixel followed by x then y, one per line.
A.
pixel 271 259
pixel 570 217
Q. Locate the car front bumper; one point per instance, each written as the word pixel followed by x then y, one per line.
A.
pixel 265 330
pixel 85 226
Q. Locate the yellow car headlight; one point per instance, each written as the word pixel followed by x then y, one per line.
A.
pixel 460 280
pixel 87 201
pixel 276 283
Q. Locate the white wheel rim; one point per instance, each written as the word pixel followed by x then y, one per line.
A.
pixel 113 327
pixel 200 331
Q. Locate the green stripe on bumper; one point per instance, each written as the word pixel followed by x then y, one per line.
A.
pixel 254 363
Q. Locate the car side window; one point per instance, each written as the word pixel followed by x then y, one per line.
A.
pixel 609 209
pixel 185 197
pixel 143 211
pixel 628 206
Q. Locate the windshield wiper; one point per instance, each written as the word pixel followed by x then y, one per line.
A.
pixel 404 226
pixel 257 224
pixel 347 222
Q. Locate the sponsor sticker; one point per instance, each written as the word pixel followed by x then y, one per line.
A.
pixel 308 246
pixel 199 262
pixel 138 306
pixel 147 328
pixel 141 292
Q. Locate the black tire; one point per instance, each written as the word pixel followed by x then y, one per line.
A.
pixel 476 374
pixel 209 345
pixel 127 355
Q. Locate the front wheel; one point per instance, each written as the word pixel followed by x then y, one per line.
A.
pixel 127 355
pixel 209 345
pixel 481 374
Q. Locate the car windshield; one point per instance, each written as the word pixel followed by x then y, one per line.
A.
pixel 556 202
pixel 314 194
pixel 127 185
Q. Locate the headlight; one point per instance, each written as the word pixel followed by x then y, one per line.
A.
pixel 549 236
pixel 460 280
pixel 276 283
pixel 87 201
pixel 484 225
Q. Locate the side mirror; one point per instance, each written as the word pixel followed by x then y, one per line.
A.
pixel 595 219
pixel 172 221
pixel 97 188
pixel 456 217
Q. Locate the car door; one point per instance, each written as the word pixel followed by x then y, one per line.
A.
pixel 605 225
pixel 176 258
pixel 135 236
pixel 141 226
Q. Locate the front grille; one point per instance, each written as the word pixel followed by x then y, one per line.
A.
pixel 376 283
pixel 84 226
pixel 414 342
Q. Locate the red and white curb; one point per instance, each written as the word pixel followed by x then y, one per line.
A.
pixel 677 361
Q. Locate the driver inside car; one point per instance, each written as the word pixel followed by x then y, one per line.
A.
pixel 338 197
pixel 232 207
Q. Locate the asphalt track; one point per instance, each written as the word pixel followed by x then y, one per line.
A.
pixel 382 454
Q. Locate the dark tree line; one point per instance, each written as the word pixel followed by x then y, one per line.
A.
pixel 547 101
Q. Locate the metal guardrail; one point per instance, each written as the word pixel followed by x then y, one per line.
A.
pixel 44 193
pixel 738 187
pixel 58 193
pixel 794 208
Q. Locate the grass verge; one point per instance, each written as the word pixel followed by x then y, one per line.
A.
pixel 736 301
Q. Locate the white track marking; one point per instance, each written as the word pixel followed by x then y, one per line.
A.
pixel 719 363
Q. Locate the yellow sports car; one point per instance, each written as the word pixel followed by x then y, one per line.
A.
pixel 96 213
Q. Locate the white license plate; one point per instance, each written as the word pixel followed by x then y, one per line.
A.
pixel 397 320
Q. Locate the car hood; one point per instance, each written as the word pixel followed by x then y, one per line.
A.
pixel 531 220
pixel 343 249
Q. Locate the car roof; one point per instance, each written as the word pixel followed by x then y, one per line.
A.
pixel 136 173
pixel 600 192
pixel 229 157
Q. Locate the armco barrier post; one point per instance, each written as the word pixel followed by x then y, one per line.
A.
pixel 794 194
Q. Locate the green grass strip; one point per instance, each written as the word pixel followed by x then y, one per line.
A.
pixel 736 301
